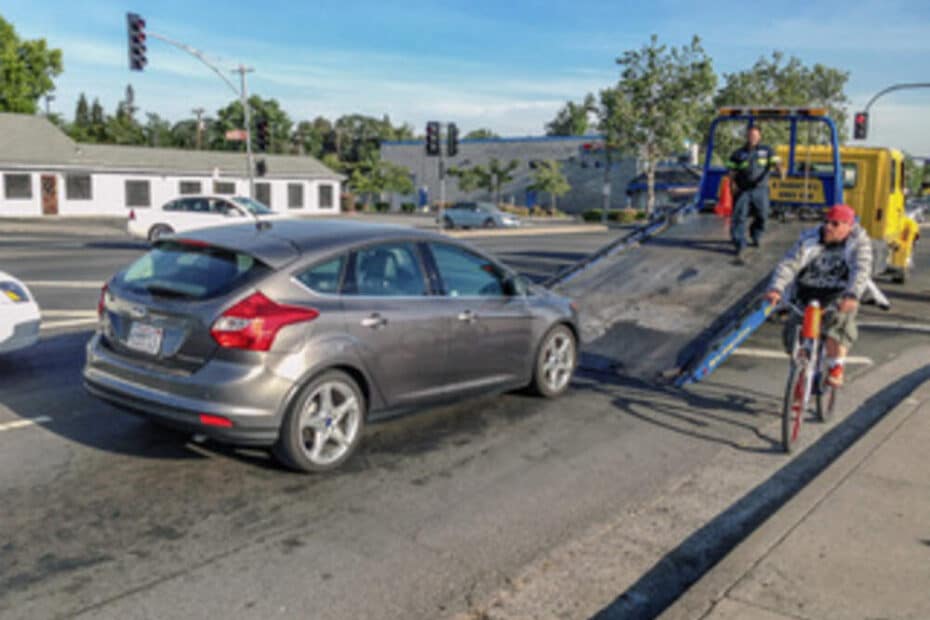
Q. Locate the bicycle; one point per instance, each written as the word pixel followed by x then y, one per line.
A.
pixel 807 375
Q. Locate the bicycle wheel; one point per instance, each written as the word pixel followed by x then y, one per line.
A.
pixel 793 407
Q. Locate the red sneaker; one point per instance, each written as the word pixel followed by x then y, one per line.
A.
pixel 835 375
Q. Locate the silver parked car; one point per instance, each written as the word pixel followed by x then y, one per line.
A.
pixel 478 215
pixel 293 334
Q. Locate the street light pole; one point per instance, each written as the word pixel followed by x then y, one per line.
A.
pixel 244 97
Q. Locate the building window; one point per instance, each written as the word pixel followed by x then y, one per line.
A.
pixel 295 195
pixel 77 187
pixel 138 194
pixel 17 186
pixel 326 196
pixel 224 187
pixel 190 187
pixel 263 193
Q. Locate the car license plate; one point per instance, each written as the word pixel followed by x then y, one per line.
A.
pixel 145 338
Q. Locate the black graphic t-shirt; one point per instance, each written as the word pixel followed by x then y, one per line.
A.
pixel 826 277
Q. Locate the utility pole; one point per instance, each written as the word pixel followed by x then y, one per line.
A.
pixel 606 190
pixel 198 112
pixel 244 97
pixel 48 99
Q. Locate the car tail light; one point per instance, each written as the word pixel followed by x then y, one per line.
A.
pixel 215 420
pixel 132 215
pixel 102 303
pixel 254 322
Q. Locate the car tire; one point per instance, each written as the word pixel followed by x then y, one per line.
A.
pixel 307 441
pixel 489 223
pixel 552 370
pixel 159 230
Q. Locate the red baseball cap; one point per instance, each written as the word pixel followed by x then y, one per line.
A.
pixel 841 213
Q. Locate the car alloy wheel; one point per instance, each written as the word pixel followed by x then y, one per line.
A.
pixel 556 362
pixel 324 425
pixel 329 423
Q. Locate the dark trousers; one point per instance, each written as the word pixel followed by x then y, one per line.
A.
pixel 755 203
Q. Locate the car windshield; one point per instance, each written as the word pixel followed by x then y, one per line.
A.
pixel 195 272
pixel 253 206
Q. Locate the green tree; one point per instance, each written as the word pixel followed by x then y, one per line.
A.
pixel 499 175
pixel 573 118
pixel 313 137
pixel 657 104
pixel 375 176
pixel 480 134
pixel 233 117
pixel 467 179
pixel 157 131
pixel 548 178
pixel 122 128
pixel 97 132
pixel 27 69
pixel 914 175
pixel 779 81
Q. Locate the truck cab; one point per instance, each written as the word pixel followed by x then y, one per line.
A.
pixel 873 185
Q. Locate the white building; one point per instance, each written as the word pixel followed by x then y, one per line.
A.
pixel 44 172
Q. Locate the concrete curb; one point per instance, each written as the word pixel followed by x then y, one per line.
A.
pixel 700 600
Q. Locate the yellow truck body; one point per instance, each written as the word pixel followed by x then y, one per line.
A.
pixel 873 185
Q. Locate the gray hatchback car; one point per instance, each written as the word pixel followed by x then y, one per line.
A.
pixel 294 334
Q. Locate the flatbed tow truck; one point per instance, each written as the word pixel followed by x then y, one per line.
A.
pixel 666 303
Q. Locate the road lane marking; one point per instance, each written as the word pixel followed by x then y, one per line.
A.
pixel 781 355
pixel 68 323
pixel 63 284
pixel 9 426
pixel 895 325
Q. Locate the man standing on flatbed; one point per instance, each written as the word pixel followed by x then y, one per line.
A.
pixel 749 167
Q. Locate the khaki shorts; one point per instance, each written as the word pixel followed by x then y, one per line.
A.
pixel 840 326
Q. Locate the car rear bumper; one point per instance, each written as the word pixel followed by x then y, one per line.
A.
pixel 180 401
pixel 24 334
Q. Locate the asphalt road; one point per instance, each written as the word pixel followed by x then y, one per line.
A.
pixel 106 516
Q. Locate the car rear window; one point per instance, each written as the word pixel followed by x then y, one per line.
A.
pixel 175 269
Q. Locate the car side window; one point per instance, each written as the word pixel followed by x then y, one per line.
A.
pixel 174 205
pixel 386 270
pixel 324 277
pixel 465 274
pixel 221 207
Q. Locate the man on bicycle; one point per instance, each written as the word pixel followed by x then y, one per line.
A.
pixel 829 263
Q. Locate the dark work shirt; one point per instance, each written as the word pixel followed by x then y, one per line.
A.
pixel 752 166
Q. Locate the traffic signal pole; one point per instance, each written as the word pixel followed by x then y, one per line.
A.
pixel 241 92
pixel 865 113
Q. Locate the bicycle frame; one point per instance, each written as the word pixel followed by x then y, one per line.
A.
pixel 807 357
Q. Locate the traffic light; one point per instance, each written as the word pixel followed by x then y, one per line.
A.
pixel 261 168
pixel 261 129
pixel 861 127
pixel 135 28
pixel 452 140
pixel 432 138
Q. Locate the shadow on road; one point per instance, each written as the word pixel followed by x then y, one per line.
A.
pixel 684 565
pixel 703 416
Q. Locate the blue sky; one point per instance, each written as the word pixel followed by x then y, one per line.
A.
pixel 504 65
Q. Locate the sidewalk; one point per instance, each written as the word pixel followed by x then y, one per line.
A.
pixel 854 543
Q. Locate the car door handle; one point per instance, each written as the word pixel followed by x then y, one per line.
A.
pixel 468 316
pixel 375 321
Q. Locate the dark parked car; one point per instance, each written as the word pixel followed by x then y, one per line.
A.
pixel 293 334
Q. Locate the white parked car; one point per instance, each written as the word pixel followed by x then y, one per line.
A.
pixel 19 315
pixel 192 212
